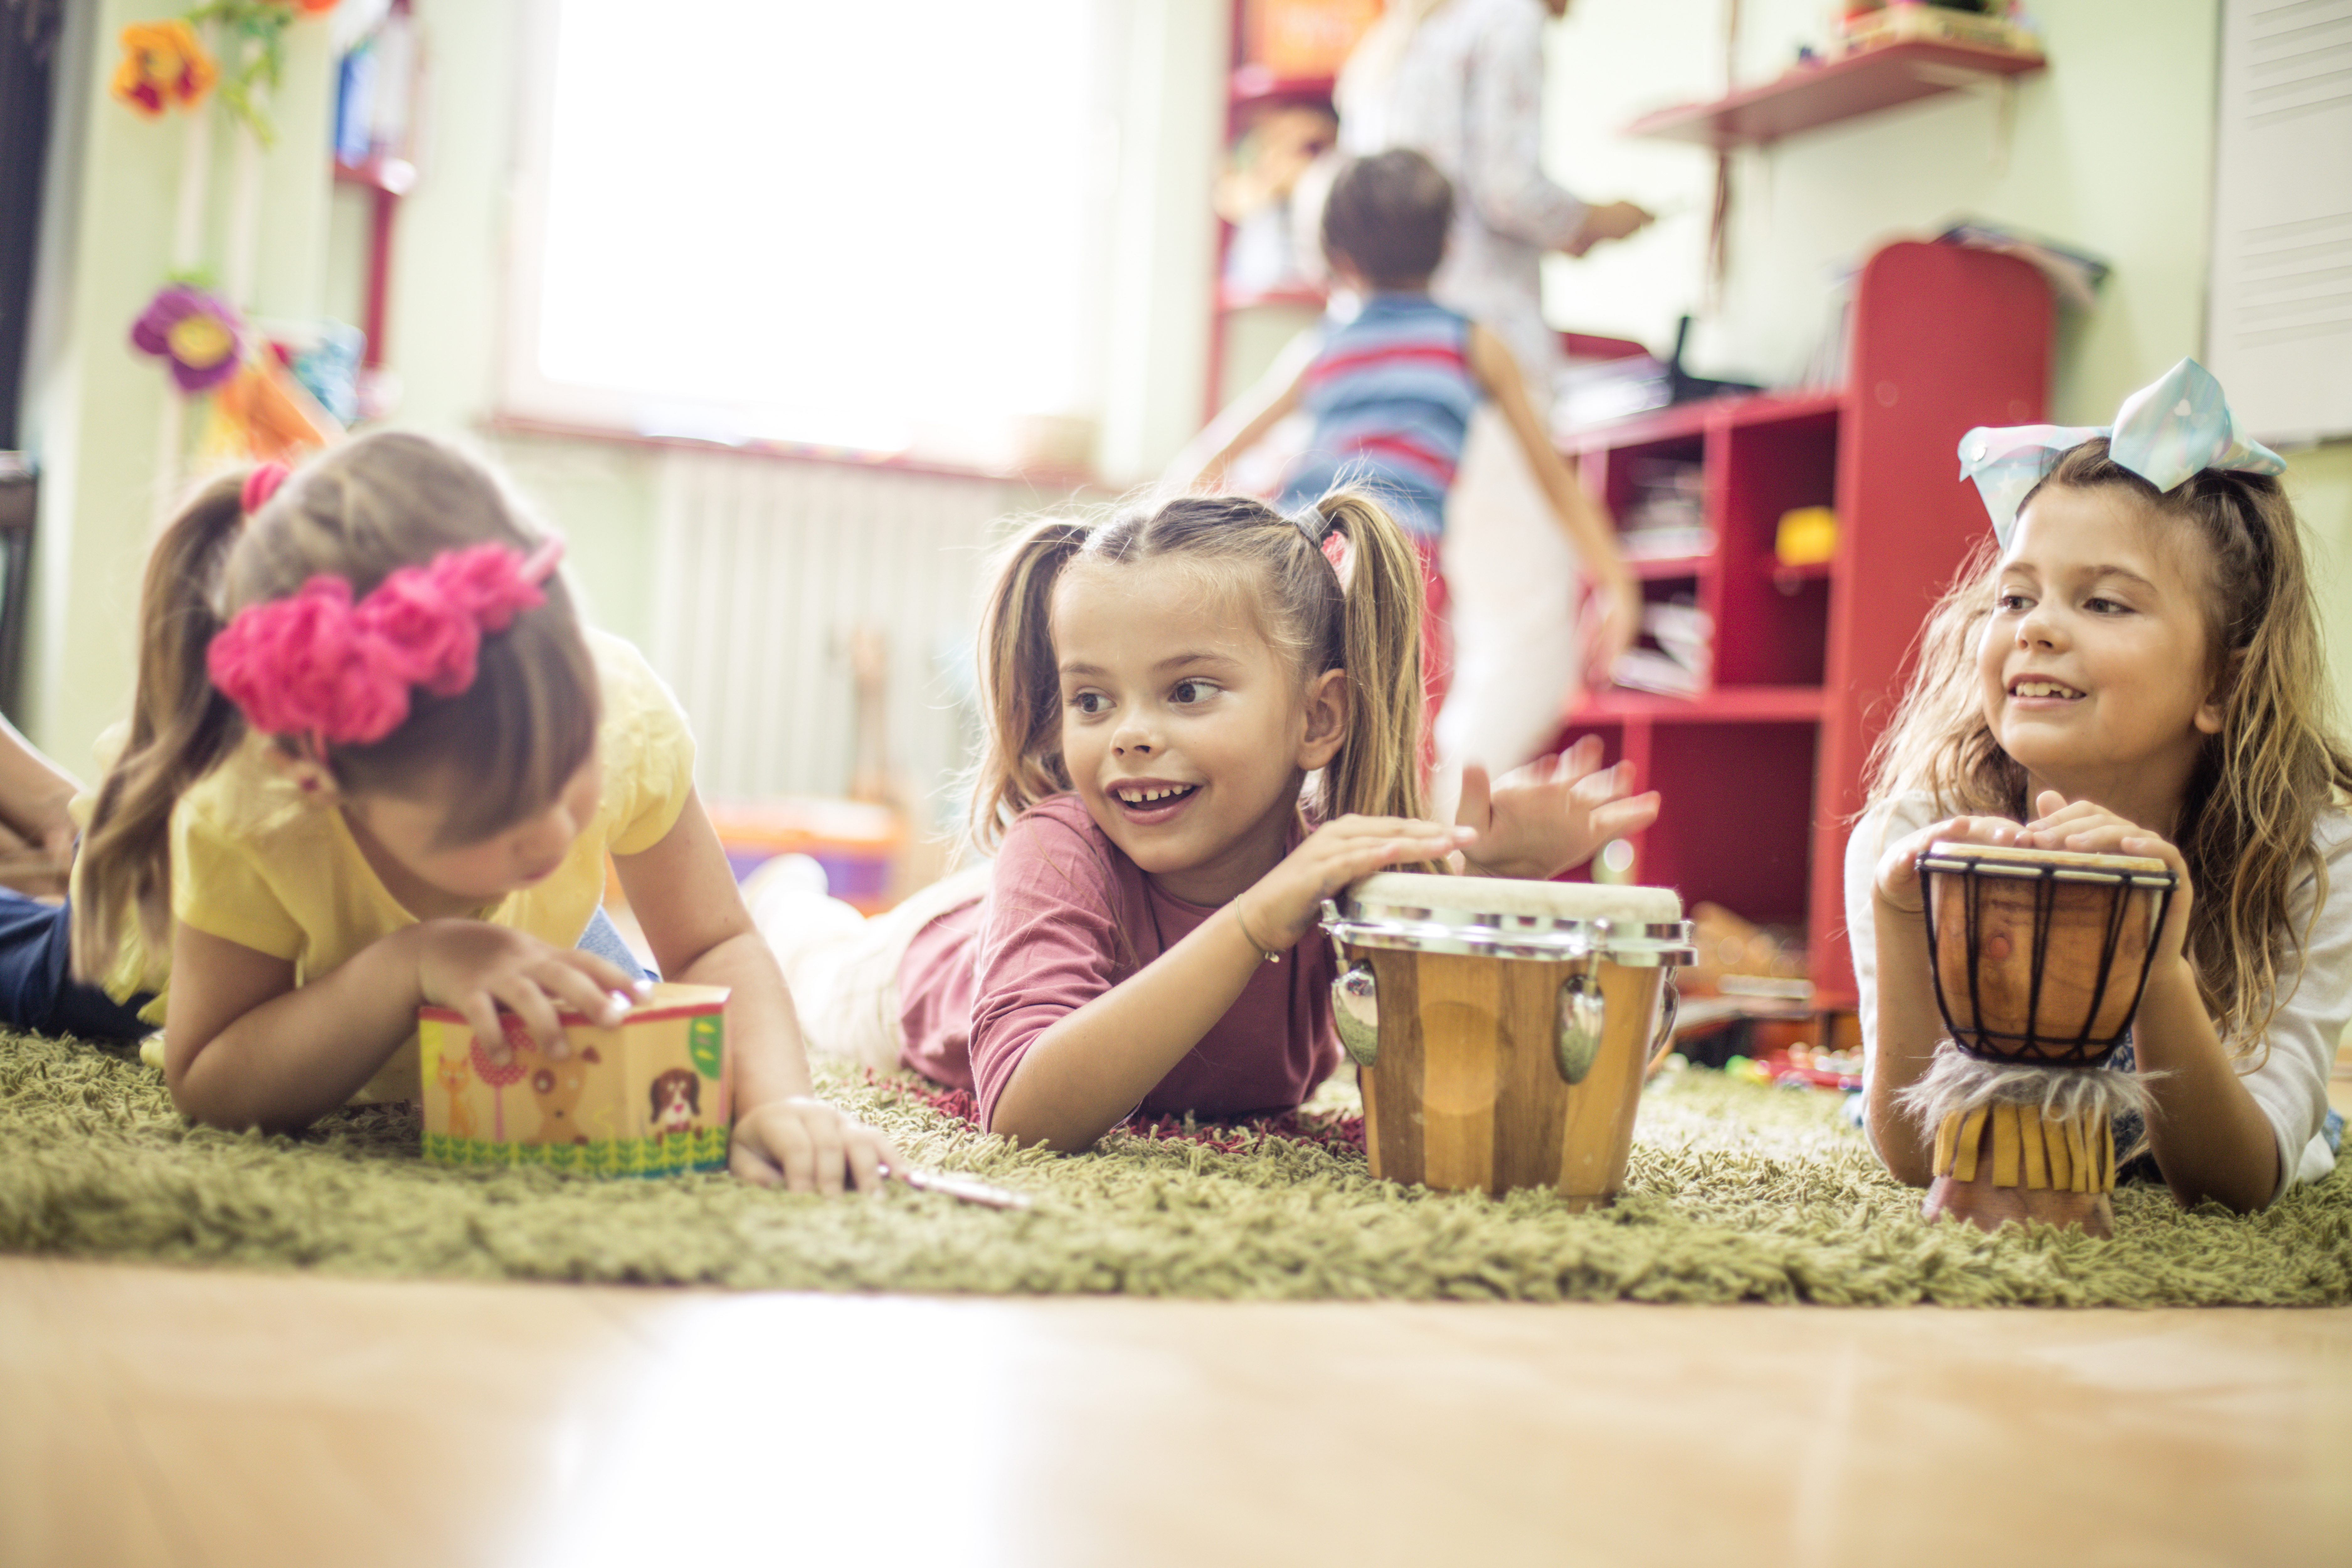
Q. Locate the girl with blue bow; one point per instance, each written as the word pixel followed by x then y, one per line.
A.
pixel 2133 667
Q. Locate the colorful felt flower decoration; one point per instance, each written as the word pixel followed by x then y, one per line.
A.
pixel 197 331
pixel 162 64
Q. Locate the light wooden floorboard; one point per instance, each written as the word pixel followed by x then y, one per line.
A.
pixel 188 1417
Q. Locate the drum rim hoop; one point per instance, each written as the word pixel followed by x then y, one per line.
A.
pixel 2018 859
pixel 1634 947
pixel 1460 899
pixel 2024 871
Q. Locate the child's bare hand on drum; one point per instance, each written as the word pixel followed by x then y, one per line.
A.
pixel 1896 876
pixel 1536 821
pixel 2091 829
pixel 1287 900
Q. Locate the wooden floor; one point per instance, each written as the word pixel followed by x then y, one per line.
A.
pixel 161 1416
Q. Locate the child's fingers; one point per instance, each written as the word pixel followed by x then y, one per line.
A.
pixel 1578 760
pixel 748 1160
pixel 1476 806
pixel 828 1154
pixel 577 980
pixel 518 995
pixel 608 975
pixel 2073 818
pixel 1619 817
pixel 482 1016
pixel 870 1155
pixel 1597 789
pixel 790 1149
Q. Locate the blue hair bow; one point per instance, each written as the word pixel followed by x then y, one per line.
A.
pixel 2164 433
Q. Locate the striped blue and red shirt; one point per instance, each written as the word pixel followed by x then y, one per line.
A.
pixel 1390 394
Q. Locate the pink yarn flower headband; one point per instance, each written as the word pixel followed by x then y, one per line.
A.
pixel 317 664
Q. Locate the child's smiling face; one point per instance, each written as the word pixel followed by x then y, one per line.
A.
pixel 2094 668
pixel 1185 733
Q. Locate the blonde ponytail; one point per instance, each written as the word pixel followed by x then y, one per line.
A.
pixel 1377 770
pixel 180 728
pixel 1020 688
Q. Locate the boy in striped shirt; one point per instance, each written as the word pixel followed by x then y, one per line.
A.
pixel 1390 394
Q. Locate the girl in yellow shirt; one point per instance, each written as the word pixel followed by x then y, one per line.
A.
pixel 375 761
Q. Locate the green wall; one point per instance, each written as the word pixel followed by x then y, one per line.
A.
pixel 96 408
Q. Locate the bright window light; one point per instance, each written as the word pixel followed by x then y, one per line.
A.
pixel 844 224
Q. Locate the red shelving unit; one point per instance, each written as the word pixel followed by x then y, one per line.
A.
pixel 1815 95
pixel 1762 772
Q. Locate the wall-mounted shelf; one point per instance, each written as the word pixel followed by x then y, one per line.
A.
pixel 1816 95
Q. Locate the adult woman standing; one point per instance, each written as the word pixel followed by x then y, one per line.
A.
pixel 1460 82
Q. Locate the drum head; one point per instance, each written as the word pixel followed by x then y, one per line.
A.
pixel 1483 900
pixel 2011 859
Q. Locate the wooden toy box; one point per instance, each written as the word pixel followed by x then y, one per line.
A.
pixel 648 1097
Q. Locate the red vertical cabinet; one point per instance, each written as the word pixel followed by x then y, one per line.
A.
pixel 1762 770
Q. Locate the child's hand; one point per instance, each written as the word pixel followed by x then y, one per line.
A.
pixel 478 968
pixel 1287 900
pixel 1896 876
pixel 809 1147
pixel 1608 220
pixel 1539 820
pixel 2094 830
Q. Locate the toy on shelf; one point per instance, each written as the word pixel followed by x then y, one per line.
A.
pixel 1262 170
pixel 1293 39
pixel 1978 23
pixel 1806 536
pixel 647 1096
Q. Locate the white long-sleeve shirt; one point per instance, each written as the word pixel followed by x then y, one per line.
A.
pixel 1467 94
pixel 2287 1076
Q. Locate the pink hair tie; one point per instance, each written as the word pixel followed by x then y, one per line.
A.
pixel 260 484
pixel 316 663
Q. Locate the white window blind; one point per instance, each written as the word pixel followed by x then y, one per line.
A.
pixel 2279 329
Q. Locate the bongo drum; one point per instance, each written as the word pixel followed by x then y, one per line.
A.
pixel 2038 959
pixel 1503 1028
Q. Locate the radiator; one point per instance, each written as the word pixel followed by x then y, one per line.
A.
pixel 765 567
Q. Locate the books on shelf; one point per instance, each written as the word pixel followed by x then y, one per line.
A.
pixel 1666 518
pixel 1666 543
pixel 1676 655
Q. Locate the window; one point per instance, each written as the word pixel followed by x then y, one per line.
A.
pixel 858 226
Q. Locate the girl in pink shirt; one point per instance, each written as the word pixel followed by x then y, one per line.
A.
pixel 1159 689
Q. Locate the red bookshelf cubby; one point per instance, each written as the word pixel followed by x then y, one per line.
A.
pixel 1762 772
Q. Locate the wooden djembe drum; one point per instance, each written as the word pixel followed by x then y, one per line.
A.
pixel 1502 1029
pixel 2039 957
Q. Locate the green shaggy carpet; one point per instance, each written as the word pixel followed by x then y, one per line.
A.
pixel 1737 1193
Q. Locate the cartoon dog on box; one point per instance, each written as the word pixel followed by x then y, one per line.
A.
pixel 675 1100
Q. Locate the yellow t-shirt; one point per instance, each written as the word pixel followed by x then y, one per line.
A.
pixel 257 862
